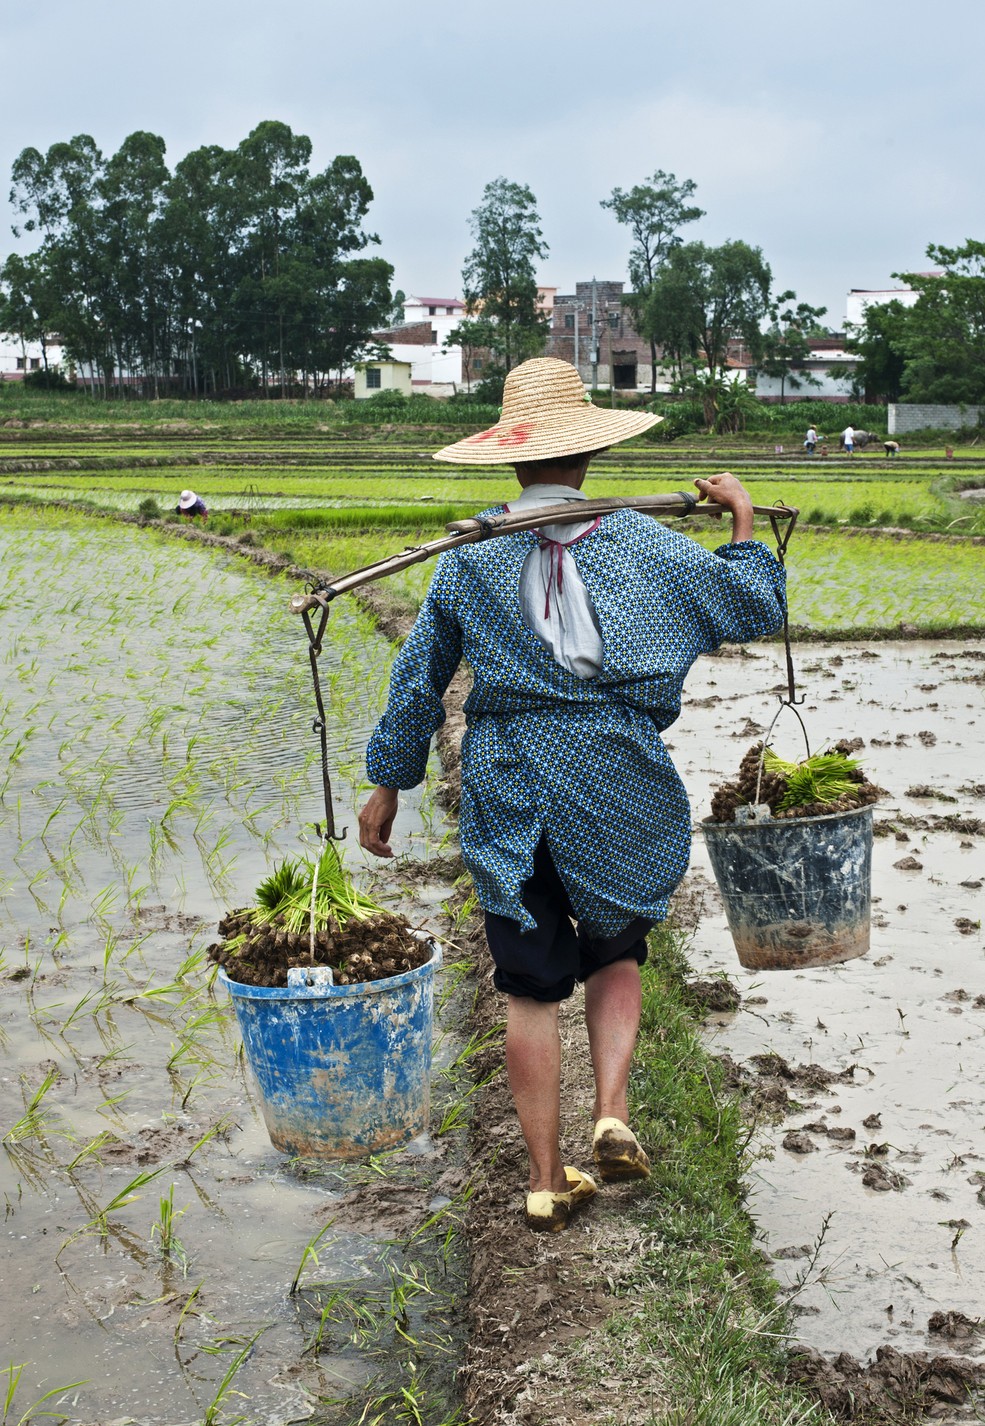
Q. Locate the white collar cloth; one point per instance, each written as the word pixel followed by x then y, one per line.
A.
pixel 554 602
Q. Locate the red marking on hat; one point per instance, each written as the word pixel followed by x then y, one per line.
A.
pixel 516 436
pixel 482 436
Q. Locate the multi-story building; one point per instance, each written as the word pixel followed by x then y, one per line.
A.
pixel 593 329
pixel 18 359
pixel 419 339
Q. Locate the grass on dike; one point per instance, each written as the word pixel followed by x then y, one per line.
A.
pixel 909 501
pixel 707 1320
pixel 20 404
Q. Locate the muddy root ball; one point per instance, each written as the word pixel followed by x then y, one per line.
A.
pixel 361 951
pixel 773 789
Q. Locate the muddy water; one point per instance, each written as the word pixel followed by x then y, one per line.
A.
pixel 155 720
pixel 906 1019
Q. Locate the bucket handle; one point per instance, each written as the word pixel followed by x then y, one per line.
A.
pixel 784 703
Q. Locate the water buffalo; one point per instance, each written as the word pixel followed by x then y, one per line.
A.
pixel 862 439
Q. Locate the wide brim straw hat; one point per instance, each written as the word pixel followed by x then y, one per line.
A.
pixel 547 413
pixel 187 499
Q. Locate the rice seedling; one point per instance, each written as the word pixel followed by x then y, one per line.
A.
pixel 99 1223
pixel 33 1411
pixel 215 1406
pixel 309 1253
pixel 36 1117
pixel 165 1229
pixel 188 1310
pixel 88 1151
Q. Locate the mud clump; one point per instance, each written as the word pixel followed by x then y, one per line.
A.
pixel 363 950
pixel 954 1325
pixel 711 995
pixel 774 788
pixel 894 1388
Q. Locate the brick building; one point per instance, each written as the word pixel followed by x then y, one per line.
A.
pixel 571 337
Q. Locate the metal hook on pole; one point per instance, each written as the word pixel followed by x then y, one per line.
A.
pixel 782 540
pixel 319 725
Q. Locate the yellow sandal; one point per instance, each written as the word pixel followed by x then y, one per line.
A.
pixel 549 1212
pixel 617 1153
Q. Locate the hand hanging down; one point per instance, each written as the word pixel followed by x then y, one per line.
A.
pixel 376 821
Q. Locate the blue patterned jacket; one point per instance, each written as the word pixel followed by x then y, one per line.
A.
pixel 580 760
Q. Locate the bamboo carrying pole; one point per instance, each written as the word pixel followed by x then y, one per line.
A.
pixel 485 527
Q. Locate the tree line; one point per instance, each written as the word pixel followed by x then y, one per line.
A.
pixel 934 350
pixel 689 301
pixel 240 266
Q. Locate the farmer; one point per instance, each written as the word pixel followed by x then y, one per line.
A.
pixel 811 440
pixel 191 505
pixel 848 439
pixel 578 638
pixel 892 448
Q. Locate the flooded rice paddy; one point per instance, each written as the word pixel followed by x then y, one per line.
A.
pixel 155 724
pixel 874 1211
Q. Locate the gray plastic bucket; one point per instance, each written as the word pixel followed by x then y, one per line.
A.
pixel 797 891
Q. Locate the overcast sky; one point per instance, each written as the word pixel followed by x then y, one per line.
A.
pixel 840 137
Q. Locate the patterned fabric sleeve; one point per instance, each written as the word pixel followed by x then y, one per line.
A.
pixel 398 750
pixel 753 593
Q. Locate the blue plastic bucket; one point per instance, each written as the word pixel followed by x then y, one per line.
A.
pixel 343 1070
pixel 797 890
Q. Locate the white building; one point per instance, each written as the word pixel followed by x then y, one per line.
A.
pixel 827 363
pixel 443 313
pixel 861 297
pixel 426 325
pixel 18 361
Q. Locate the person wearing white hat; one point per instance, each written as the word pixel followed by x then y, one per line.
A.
pixel 578 638
pixel 191 505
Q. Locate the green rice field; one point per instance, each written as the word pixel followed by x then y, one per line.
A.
pixel 331 503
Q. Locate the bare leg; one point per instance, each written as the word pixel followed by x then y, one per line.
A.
pixel 533 1062
pixel 612 1013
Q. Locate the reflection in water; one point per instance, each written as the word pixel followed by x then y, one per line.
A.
pixel 909 1016
pixel 155 722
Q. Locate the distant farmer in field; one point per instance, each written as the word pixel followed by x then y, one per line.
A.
pixel 578 638
pixel 892 448
pixel 191 505
pixel 848 439
pixel 811 440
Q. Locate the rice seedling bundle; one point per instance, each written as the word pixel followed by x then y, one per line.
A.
pixel 823 783
pixel 306 913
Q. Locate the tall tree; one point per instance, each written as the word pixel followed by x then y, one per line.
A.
pixel 135 269
pixel 654 211
pixel 57 194
pixel 787 346
pixel 28 304
pixel 240 260
pixel 880 343
pixel 499 275
pixel 473 335
pixel 943 334
pixel 702 299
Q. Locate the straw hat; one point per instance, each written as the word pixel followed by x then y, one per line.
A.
pixel 187 499
pixel 547 413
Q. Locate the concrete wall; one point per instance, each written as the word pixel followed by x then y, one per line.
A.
pixel 832 388
pixel 918 418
